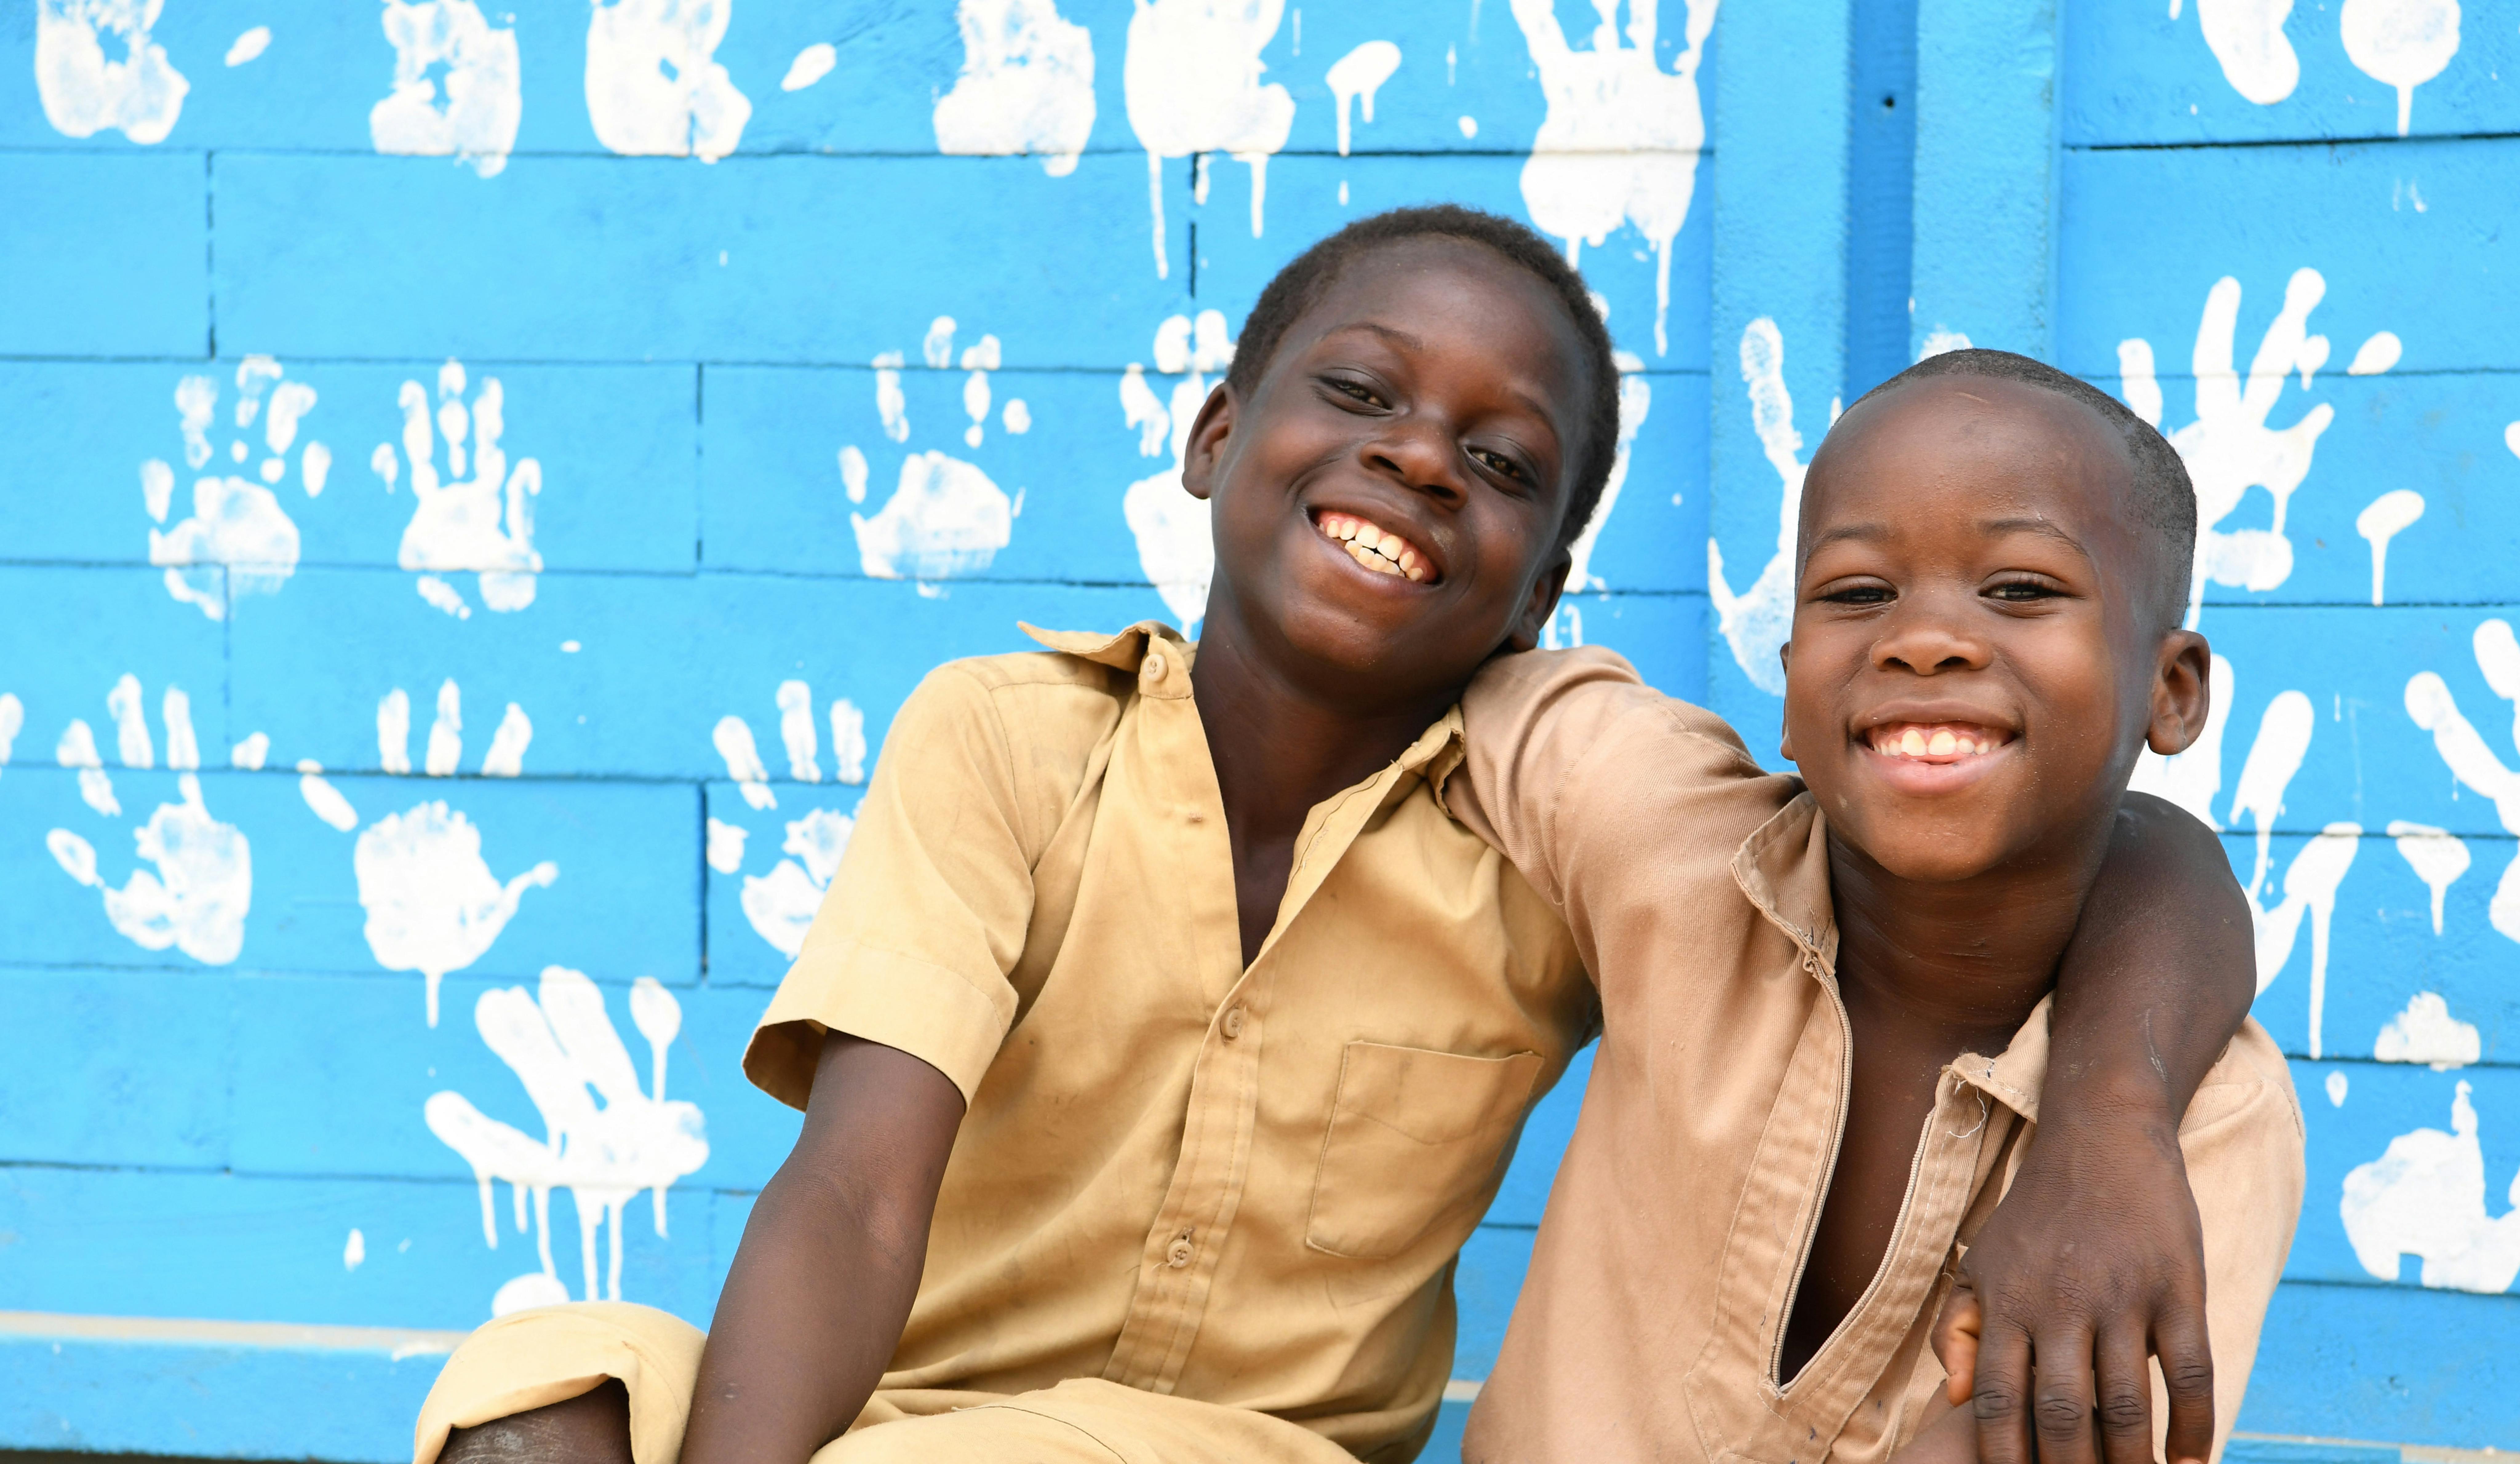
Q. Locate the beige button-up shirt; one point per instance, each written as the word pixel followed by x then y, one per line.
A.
pixel 1239 1185
pixel 1697 888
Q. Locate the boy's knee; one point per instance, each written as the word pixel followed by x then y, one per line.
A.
pixel 593 1428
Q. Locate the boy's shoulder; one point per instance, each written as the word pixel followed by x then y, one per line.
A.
pixel 1034 709
pixel 1578 694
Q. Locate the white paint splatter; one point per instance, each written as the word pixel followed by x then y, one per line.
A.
pixel 978 360
pixel 1026 86
pixel 1469 125
pixel 1192 82
pixel 945 518
pixel 2376 355
pixel 2437 857
pixel 248 46
pixel 2310 884
pixel 433 904
pixel 2336 1086
pixel 2247 37
pixel 467 523
pixel 2193 777
pixel 2229 449
pixel 726 846
pixel 474 120
pixel 781 905
pixel 250 753
pixel 84 93
pixel 322 799
pixel 1175 546
pixel 848 742
pixel 13 717
pixel 507 755
pixel 2384 519
pixel 1358 76
pixel 2426 1032
pixel 1760 619
pixel 563 1049
pixel 653 86
pixel 355 1250
pixel 732 739
pixel 2511 438
pixel 811 64
pixel 2282 741
pixel 196 899
pixel 1621 140
pixel 2424 1196
pixel 2400 43
pixel 1942 341
pixel 2431 707
pixel 1017 418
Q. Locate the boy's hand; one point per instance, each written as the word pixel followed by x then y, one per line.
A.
pixel 2054 1316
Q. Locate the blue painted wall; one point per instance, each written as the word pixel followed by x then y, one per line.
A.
pixel 721 366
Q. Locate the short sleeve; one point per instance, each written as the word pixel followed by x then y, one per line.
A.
pixel 928 911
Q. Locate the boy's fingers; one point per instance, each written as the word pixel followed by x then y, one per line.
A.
pixel 1954 1338
pixel 2187 1373
pixel 2124 1396
pixel 2001 1396
pixel 2062 1410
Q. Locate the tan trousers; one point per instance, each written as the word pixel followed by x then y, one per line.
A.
pixel 528 1360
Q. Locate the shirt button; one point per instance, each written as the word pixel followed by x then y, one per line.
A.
pixel 1179 1253
pixel 1154 668
pixel 1233 1023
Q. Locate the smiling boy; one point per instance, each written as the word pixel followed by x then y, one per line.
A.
pixel 1749 1241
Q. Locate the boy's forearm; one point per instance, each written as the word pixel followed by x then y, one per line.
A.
pixel 829 1263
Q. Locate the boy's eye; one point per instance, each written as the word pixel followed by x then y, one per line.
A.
pixel 1497 462
pixel 1356 390
pixel 1860 595
pixel 2022 591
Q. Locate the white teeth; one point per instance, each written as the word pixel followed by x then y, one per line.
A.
pixel 1913 743
pixel 1377 549
pixel 1941 744
pixel 1368 536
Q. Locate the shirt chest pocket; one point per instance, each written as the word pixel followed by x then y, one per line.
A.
pixel 1416 1138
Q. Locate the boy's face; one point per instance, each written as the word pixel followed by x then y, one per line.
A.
pixel 1975 658
pixel 1430 403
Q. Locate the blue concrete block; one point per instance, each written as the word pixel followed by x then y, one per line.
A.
pixel 2354 1363
pixel 122 622
pixel 615 450
pixel 105 255
pixel 2136 74
pixel 1485 1282
pixel 117 1067
pixel 1663 634
pixel 1445 1447
pixel 2423 256
pixel 1545 1137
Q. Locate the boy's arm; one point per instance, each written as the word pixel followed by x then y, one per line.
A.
pixel 2095 1258
pixel 829 1263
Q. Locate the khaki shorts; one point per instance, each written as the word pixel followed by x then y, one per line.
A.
pixel 528 1360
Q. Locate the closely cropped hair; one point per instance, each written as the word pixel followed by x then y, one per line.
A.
pixel 1302 282
pixel 2165 499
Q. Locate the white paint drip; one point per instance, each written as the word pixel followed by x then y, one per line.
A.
pixel 945 518
pixel 811 64
pixel 2310 884
pixel 249 45
pixel 1759 620
pixel 653 87
pixel 196 899
pixel 726 846
pixel 12 718
pixel 1026 85
pixel 354 1252
pixel 1358 76
pixel 1622 137
pixel 1636 398
pixel 433 904
pixel 2192 778
pixel 2388 515
pixel 2229 449
pixel 474 119
pixel 2282 741
pixel 2247 37
pixel 563 1049
pixel 2376 355
pixel 2426 1032
pixel 2464 751
pixel 2424 1196
pixel 1192 82
pixel 781 905
pixel 83 92
pixel 466 524
pixel 2336 1086
pixel 1176 546
pixel 2400 43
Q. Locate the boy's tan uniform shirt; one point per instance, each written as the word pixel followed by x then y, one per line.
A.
pixel 1181 1177
pixel 1697 888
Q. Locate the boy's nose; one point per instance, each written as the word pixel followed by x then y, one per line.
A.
pixel 1924 643
pixel 1419 456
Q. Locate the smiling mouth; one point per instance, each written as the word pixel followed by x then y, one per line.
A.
pixel 1935 742
pixel 1376 548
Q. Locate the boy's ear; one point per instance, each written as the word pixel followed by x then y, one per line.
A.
pixel 1207 433
pixel 1542 604
pixel 2183 694
pixel 1785 736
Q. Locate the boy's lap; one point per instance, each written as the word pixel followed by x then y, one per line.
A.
pixel 1085 1421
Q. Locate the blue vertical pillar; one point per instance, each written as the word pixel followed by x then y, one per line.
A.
pixel 1986 176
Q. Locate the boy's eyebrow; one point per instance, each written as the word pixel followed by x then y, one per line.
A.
pixel 1400 337
pixel 2040 526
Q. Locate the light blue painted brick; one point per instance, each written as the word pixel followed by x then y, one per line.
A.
pixel 1544 1135
pixel 1663 634
pixel 122 622
pixel 146 1054
pixel 2354 1363
pixel 105 255
pixel 1485 1283
pixel 2438 274
pixel 2138 74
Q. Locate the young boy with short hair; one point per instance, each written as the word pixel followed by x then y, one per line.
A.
pixel 1827 1028
pixel 1162 1038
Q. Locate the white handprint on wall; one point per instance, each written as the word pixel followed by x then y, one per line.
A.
pixel 1760 619
pixel 1028 84
pixel 448 43
pixel 201 887
pixel 1192 82
pixel 945 518
pixel 781 905
pixel 2470 760
pixel 2425 1197
pixel 1621 140
pixel 433 905
pixel 84 93
pixel 2229 449
pixel 1175 544
pixel 238 528
pixel 653 86
pixel 457 525
pixel 2246 36
pixel 563 1049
